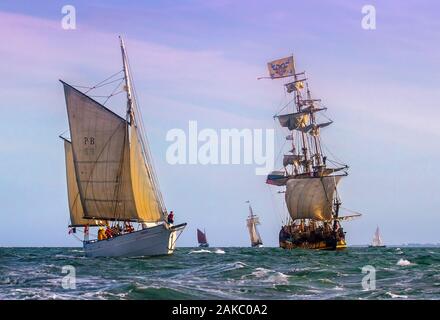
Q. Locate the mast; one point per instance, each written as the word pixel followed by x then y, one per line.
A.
pixel 125 68
pixel 303 134
pixel 315 138
pixel 133 113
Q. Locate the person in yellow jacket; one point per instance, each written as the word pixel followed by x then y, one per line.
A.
pixel 101 234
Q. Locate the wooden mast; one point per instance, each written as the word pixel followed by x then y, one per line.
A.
pixel 303 135
pixel 127 83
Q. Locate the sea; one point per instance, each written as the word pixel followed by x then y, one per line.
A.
pixel 223 273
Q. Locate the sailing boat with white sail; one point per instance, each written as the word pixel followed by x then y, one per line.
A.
pixel 377 240
pixel 201 238
pixel 252 221
pixel 309 176
pixel 111 180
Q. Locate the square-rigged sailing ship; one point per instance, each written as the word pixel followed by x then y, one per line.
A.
pixel 110 177
pixel 310 178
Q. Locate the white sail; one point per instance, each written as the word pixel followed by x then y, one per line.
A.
pixel 252 222
pixel 377 239
pixel 253 232
pixel 311 198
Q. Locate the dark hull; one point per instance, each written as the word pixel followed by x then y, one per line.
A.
pixel 315 240
pixel 320 245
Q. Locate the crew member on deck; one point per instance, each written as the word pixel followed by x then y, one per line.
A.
pixel 101 234
pixel 108 232
pixel 171 217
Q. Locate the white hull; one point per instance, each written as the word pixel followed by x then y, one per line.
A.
pixel 154 241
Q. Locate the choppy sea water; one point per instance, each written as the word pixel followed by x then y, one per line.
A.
pixel 222 273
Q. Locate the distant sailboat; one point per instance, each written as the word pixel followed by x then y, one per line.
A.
pixel 111 180
pixel 377 240
pixel 201 238
pixel 252 222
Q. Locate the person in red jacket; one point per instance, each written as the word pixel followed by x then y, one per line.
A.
pixel 171 217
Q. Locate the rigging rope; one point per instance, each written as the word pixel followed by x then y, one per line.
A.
pixel 102 83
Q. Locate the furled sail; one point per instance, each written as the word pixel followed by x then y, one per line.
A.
pixel 292 159
pixel 75 205
pixel 201 237
pixel 313 129
pixel 311 198
pixel 294 120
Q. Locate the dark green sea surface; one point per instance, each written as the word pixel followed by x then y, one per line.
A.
pixel 223 273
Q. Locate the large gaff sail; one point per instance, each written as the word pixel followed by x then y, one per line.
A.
pixel 311 198
pixel 101 157
pixel 201 237
pixel 75 205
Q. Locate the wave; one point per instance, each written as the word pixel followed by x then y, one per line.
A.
pixel 269 275
pixel 219 251
pixel 396 296
pixel 200 251
pixel 403 263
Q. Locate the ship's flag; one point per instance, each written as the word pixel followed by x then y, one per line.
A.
pixel 281 68
pixel 294 86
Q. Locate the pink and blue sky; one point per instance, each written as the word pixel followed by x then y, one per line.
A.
pixel 199 60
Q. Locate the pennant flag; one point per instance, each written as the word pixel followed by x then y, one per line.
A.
pixel 281 68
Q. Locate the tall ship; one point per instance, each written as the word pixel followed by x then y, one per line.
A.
pixel 112 185
pixel 201 239
pixel 309 177
pixel 377 240
pixel 252 221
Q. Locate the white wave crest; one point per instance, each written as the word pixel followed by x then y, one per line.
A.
pixel 403 262
pixel 200 251
pixel 396 296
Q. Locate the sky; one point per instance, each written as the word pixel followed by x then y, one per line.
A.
pixel 199 60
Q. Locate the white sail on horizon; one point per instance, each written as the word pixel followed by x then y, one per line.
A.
pixel 252 222
pixel 377 239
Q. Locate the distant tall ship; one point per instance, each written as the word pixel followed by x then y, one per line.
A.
pixel 252 221
pixel 111 181
pixel 201 238
pixel 309 176
pixel 377 240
